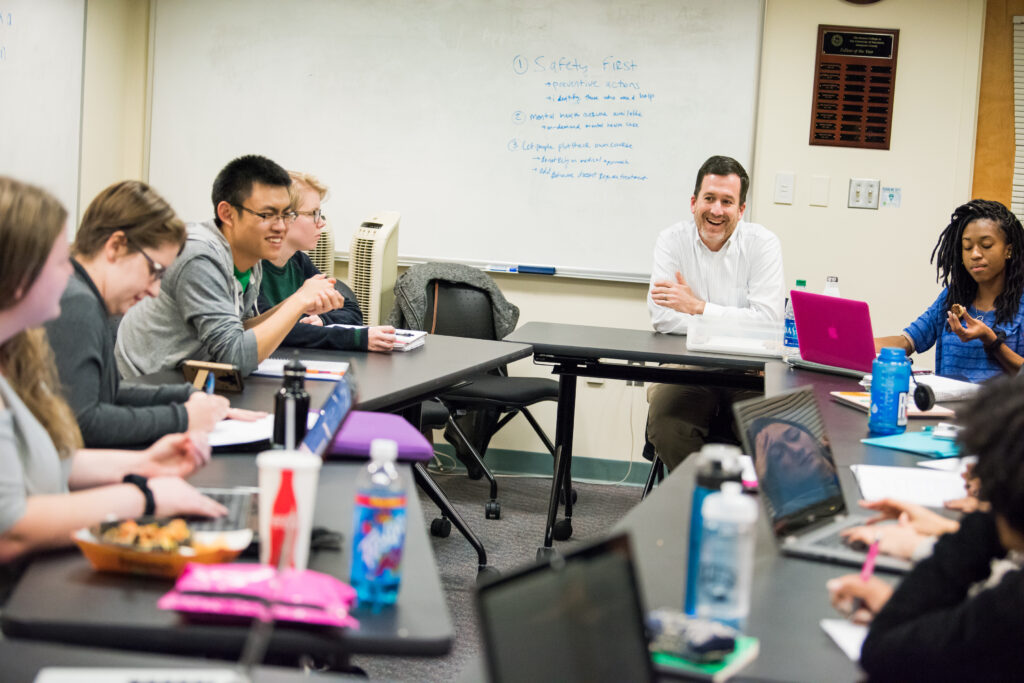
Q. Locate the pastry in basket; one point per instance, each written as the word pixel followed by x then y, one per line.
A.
pixel 167 536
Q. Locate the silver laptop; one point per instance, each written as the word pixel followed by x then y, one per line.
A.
pixel 798 481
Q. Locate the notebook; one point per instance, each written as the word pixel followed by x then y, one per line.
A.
pixel 575 618
pixel 834 333
pixel 798 479
pixel 405 340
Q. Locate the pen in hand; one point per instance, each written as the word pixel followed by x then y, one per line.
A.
pixel 209 383
pixel 866 571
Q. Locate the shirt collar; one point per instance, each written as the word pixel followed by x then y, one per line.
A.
pixel 84 277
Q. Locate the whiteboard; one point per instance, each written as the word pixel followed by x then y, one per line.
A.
pixel 562 134
pixel 41 57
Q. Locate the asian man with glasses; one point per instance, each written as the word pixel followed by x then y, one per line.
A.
pixel 285 274
pixel 206 309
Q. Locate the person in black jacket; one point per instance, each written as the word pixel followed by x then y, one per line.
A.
pixel 128 238
pixel 933 626
pixel 286 274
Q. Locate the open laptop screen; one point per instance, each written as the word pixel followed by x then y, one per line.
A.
pixel 796 473
pixel 576 619
pixel 333 412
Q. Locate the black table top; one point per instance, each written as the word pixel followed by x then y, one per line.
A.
pixel 559 340
pixel 394 380
pixel 22 660
pixel 385 380
pixel 119 611
pixel 61 598
pixel 788 594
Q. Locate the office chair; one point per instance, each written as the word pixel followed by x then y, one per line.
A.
pixel 464 311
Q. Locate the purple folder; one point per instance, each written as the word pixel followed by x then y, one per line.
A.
pixel 360 428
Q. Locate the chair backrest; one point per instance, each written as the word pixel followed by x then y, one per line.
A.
pixel 459 310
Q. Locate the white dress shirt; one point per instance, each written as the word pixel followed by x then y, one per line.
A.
pixel 741 281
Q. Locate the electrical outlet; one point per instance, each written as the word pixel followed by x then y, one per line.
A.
pixel 863 193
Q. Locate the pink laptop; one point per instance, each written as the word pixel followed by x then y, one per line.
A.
pixel 833 332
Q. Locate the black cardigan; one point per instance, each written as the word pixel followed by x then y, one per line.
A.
pixel 931 630
pixel 315 337
pixel 109 414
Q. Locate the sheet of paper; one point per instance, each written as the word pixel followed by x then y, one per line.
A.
pixel 927 487
pixel 847 635
pixel 949 464
pixel 235 432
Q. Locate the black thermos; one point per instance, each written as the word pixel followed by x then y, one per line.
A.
pixel 293 390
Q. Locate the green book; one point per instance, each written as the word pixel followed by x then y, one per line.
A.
pixel 746 651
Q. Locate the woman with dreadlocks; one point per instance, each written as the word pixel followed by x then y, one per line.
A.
pixel 977 323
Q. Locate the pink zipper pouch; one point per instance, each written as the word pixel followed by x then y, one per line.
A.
pixel 257 591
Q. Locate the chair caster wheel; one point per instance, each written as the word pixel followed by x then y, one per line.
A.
pixel 492 509
pixel 440 527
pixel 485 574
pixel 561 496
pixel 562 530
pixel 544 553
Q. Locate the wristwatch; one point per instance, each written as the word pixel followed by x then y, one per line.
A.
pixel 143 484
pixel 996 343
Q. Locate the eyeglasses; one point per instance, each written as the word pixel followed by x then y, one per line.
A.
pixel 156 270
pixel 287 217
pixel 317 215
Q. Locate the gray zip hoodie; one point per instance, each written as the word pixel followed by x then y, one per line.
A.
pixel 198 315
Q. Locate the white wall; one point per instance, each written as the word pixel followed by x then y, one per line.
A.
pixel 114 94
pixel 880 256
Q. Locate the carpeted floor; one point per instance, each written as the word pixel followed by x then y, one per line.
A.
pixel 510 542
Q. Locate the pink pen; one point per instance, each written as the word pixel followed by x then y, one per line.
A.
pixel 869 562
pixel 866 570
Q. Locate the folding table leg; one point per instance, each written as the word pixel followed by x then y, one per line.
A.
pixel 563 455
pixel 435 494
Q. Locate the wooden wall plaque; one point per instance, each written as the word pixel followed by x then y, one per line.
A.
pixel 854 87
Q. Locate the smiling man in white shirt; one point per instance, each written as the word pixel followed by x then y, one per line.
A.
pixel 718 266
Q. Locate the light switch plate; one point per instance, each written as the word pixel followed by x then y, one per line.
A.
pixel 819 190
pixel 863 193
pixel 784 188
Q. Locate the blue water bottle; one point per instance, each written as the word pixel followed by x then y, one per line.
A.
pixel 790 340
pixel 716 463
pixel 890 384
pixel 379 534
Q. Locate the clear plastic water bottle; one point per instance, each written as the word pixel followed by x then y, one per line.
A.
pixel 727 556
pixel 890 386
pixel 831 286
pixel 790 340
pixel 379 533
pixel 717 463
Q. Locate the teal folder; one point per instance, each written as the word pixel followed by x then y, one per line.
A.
pixel 921 443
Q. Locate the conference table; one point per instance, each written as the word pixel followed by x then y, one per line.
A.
pixel 60 598
pixel 576 351
pixel 788 596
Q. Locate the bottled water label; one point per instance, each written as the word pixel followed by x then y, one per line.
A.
pixel 790 339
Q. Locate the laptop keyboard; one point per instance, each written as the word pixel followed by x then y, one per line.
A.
pixel 834 540
pixel 239 502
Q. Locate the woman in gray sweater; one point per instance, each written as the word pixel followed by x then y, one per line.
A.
pixel 128 238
